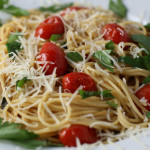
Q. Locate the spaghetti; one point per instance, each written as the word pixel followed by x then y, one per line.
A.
pixel 42 105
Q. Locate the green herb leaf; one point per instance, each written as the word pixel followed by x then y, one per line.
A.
pixel 114 105
pixel 15 11
pixel 147 26
pixel 3 3
pixel 144 50
pixel 20 83
pixel 146 80
pixel 12 44
pixel 17 135
pixel 118 7
pixel 57 7
pixel 1 23
pixel 144 40
pixel 74 56
pixel 140 62
pixel 13 131
pixel 105 94
pixel 110 45
pixel 148 114
pixel 4 103
pixel 103 59
pixel 55 37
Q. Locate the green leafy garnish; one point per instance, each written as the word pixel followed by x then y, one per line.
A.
pixel 11 9
pixel 3 3
pixel 103 59
pixel 110 45
pixel 1 23
pixel 14 131
pixel 144 50
pixel 118 8
pixel 15 11
pixel 147 26
pixel 4 103
pixel 140 62
pixel 20 83
pixel 148 114
pixel 12 44
pixel 57 7
pixel 144 40
pixel 104 94
pixel 146 80
pixel 55 37
pixel 16 134
pixel 114 105
pixel 74 56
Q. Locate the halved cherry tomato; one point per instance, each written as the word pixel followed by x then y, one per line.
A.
pixel 144 92
pixel 72 81
pixel 115 33
pixel 67 10
pixel 85 134
pixel 54 57
pixel 52 25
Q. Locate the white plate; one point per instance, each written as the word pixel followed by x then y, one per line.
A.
pixel 138 10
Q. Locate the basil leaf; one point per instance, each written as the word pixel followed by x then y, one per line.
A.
pixel 74 56
pixel 146 80
pixel 12 44
pixel 17 135
pixel 57 7
pixel 141 62
pixel 114 105
pixel 148 114
pixel 1 23
pixel 105 94
pixel 145 50
pixel 13 131
pixel 20 83
pixel 144 40
pixel 3 3
pixel 147 26
pixel 15 11
pixel 103 59
pixel 118 7
pixel 110 45
pixel 4 103
pixel 55 37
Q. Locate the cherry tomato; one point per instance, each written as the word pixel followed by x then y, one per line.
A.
pixel 115 33
pixel 67 10
pixel 85 134
pixel 144 92
pixel 52 25
pixel 54 57
pixel 72 81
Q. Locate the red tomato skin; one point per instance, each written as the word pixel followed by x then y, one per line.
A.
pixel 113 32
pixel 83 133
pixel 67 10
pixel 144 92
pixel 72 81
pixel 50 52
pixel 51 25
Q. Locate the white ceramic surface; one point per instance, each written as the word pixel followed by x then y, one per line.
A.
pixel 138 10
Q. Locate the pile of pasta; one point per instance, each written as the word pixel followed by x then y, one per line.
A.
pixel 42 105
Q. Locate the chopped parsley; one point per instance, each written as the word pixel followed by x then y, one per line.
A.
pixel 55 37
pixel 21 83
pixel 114 105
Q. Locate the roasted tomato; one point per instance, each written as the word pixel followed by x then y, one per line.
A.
pixel 85 134
pixel 144 92
pixel 115 33
pixel 72 81
pixel 54 58
pixel 52 25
